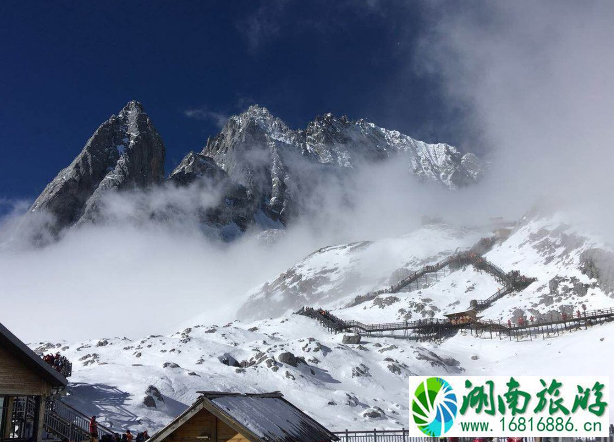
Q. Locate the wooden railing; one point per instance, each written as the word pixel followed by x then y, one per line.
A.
pixel 512 281
pixel 336 324
pixel 403 436
pixel 379 436
pixel 560 319
pixel 66 421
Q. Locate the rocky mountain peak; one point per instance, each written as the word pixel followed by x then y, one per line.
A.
pixel 329 118
pixel 256 109
pixel 258 119
pixel 125 151
pixel 268 173
pixel 132 106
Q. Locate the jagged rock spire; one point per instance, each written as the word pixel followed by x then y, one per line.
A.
pixel 125 151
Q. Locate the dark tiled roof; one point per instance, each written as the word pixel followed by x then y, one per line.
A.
pixel 21 351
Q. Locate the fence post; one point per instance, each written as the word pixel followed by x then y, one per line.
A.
pixel 347 436
pixel 374 435
pixel 403 434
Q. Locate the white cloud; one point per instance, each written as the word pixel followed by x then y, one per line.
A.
pixel 135 273
pixel 263 24
pixel 204 114
pixel 537 79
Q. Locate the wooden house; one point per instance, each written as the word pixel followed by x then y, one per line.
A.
pixel 460 318
pixel 26 381
pixel 236 417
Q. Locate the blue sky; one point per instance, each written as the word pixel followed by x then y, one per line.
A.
pixel 67 66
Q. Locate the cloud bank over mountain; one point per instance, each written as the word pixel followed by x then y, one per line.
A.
pixel 535 77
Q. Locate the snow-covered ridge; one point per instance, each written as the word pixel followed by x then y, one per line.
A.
pixel 144 383
pixel 279 166
pixel 557 255
pixel 333 276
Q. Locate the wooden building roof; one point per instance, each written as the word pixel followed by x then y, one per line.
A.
pixel 262 417
pixel 470 313
pixel 21 351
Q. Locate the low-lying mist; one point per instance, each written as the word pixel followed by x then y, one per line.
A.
pixel 135 274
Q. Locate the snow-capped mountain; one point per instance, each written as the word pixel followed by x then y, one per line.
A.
pixel 256 170
pixel 278 165
pixel 144 383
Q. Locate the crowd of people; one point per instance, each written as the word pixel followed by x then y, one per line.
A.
pixel 547 318
pixel 60 363
pixel 115 437
pixel 126 437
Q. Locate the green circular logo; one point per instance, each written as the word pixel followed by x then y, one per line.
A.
pixel 434 407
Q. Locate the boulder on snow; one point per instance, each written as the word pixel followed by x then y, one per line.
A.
pixel 155 393
pixel 152 396
pixel 288 358
pixel 374 413
pixel 170 365
pixel 351 339
pixel 361 371
pixel 149 402
pixel 226 359
pixel 394 368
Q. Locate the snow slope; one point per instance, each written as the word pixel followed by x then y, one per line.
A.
pixel 333 276
pixel 337 384
pixel 364 385
pixel 343 386
pixel 553 251
pixel 546 248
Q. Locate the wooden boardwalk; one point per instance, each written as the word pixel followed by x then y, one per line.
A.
pixel 512 281
pixel 434 328
pixel 439 328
